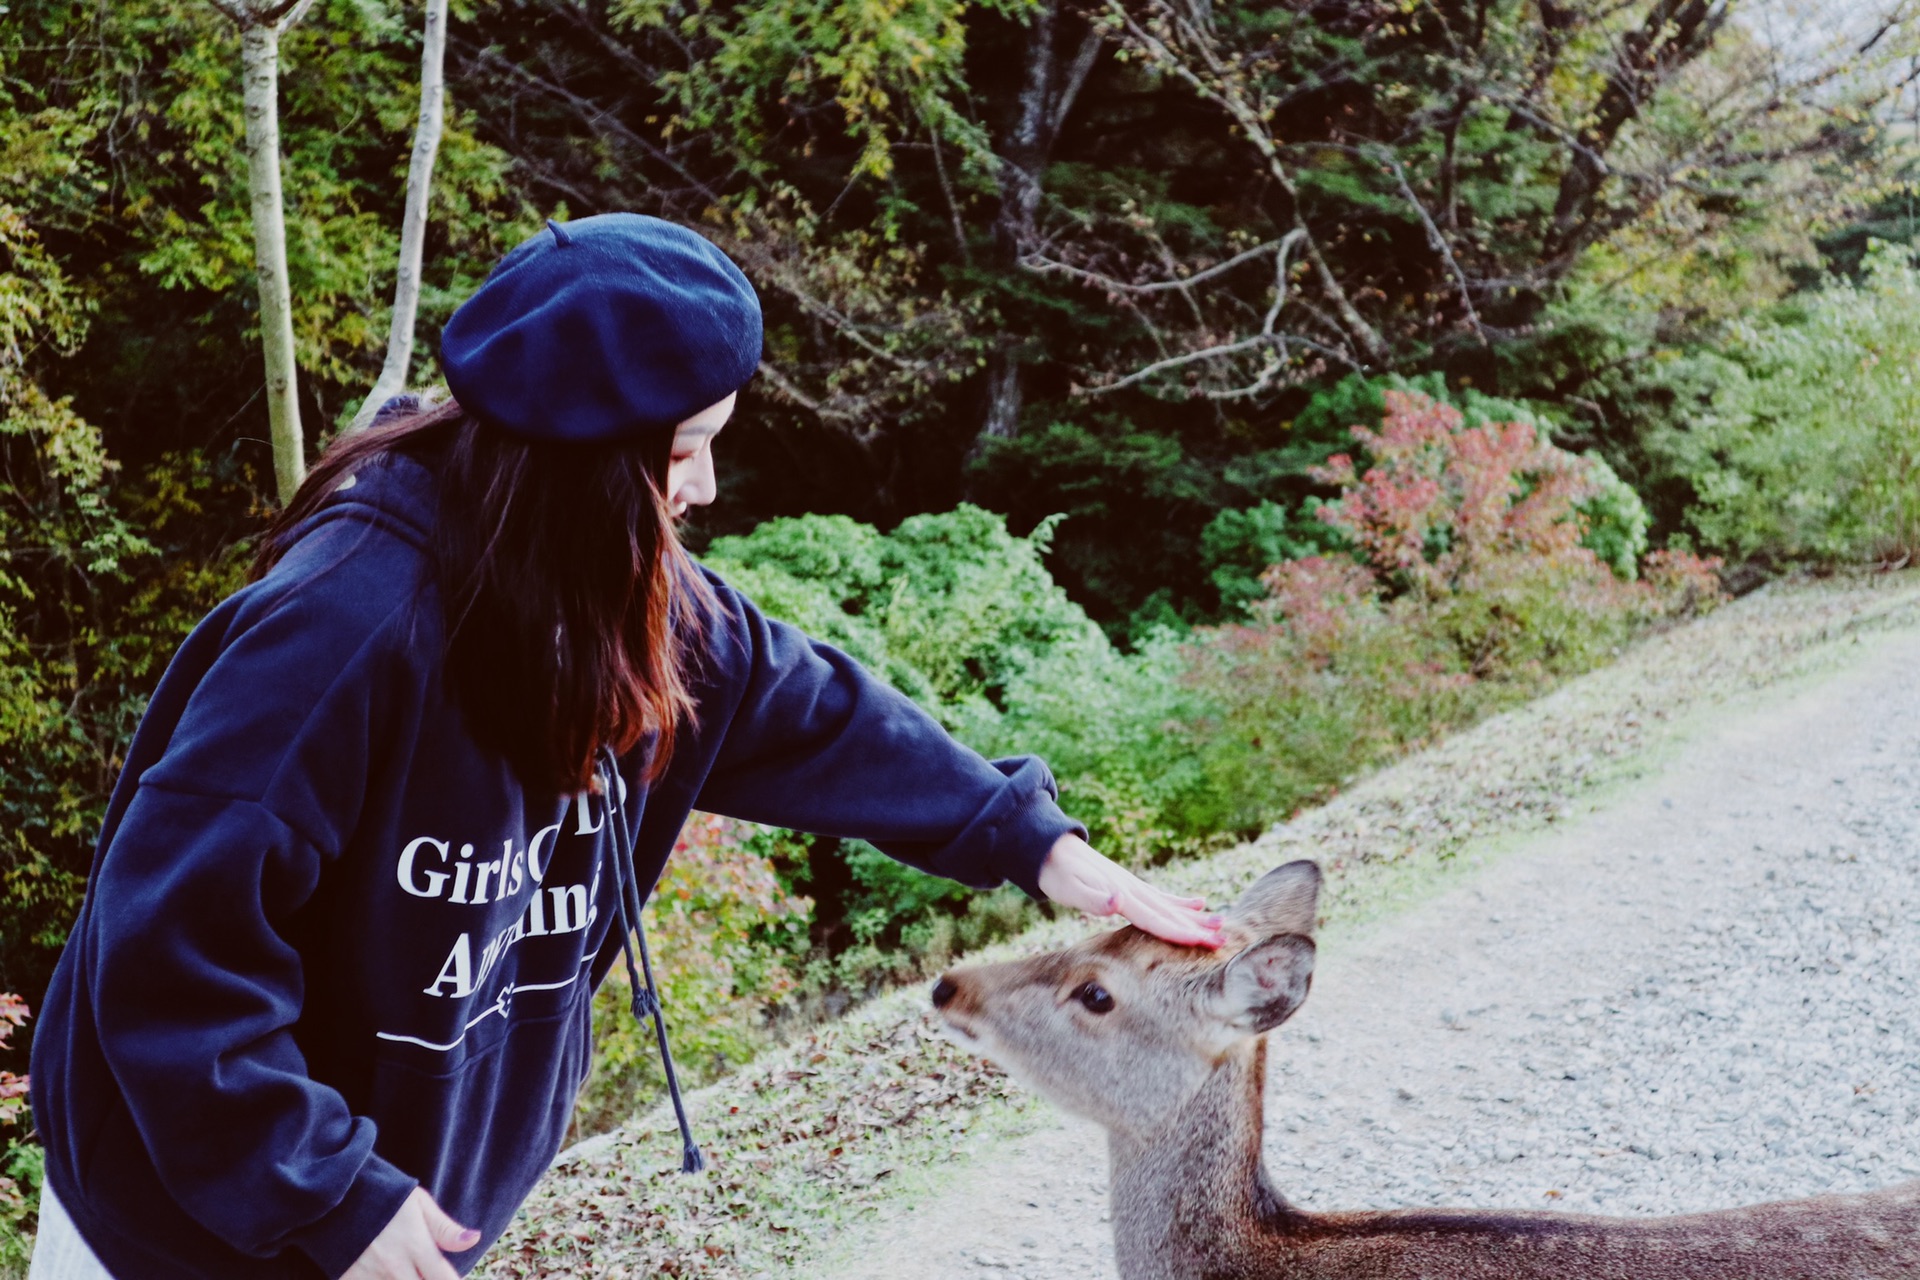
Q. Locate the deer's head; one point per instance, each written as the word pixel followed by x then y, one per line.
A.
pixel 1123 1028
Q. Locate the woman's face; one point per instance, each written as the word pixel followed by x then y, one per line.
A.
pixel 690 480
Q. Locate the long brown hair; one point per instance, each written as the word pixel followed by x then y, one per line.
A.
pixel 573 614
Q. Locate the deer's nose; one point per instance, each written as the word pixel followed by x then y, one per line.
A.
pixel 944 991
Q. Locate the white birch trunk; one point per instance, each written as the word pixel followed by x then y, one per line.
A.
pixel 413 223
pixel 260 87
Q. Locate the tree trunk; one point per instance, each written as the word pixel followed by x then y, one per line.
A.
pixel 413 223
pixel 1046 96
pixel 260 69
pixel 1674 33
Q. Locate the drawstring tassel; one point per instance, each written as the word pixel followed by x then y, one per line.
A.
pixel 646 1001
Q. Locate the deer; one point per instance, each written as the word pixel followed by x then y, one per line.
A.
pixel 1165 1048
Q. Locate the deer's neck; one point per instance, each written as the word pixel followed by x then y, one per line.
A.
pixel 1193 1196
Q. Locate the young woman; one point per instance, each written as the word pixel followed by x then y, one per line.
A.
pixel 394 805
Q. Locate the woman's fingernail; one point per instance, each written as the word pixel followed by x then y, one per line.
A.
pixel 1214 922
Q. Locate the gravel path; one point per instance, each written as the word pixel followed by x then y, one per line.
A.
pixel 1696 993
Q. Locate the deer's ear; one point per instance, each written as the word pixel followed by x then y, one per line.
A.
pixel 1262 986
pixel 1281 901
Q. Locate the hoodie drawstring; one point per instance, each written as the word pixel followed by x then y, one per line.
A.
pixel 646 1001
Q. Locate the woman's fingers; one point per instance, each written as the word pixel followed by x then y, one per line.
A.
pixel 409 1247
pixel 1076 875
pixel 1181 920
pixel 447 1234
pixel 1175 924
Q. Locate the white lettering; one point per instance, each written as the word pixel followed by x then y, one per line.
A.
pixel 534 863
pixel 434 879
pixel 585 810
pixel 460 874
pixel 458 970
pixel 483 872
pixel 497 948
pixel 516 873
pixel 569 908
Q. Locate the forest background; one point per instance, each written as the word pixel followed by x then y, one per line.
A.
pixel 1213 398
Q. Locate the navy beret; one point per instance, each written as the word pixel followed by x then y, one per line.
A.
pixel 603 329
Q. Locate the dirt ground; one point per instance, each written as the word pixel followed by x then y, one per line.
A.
pixel 1695 992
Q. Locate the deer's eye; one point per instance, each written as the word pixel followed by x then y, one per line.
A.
pixel 1094 997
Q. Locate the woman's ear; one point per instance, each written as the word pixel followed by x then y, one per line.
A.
pixel 1264 985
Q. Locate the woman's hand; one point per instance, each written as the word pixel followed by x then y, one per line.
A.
pixel 1075 875
pixel 414 1246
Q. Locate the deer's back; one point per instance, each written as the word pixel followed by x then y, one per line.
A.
pixel 1861 1237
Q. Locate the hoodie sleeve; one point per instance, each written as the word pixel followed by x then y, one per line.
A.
pixel 818 744
pixel 195 904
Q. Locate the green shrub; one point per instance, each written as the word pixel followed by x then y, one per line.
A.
pixel 1237 547
pixel 947 607
pixel 1811 451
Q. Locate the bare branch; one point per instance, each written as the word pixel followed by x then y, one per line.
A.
pixel 1268 339
pixel 1219 87
pixel 290 15
pixel 946 191
pixel 1047 266
pixel 787 388
pixel 1256 343
pixel 1437 241
pixel 1082 65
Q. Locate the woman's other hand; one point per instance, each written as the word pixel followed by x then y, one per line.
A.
pixel 1076 875
pixel 414 1246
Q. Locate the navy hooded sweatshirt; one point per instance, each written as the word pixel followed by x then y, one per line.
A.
pixel 331 948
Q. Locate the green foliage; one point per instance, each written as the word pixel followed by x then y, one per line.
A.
pixel 89 612
pixel 1237 547
pixel 949 608
pixel 123 129
pixel 886 70
pixel 1616 520
pixel 1811 449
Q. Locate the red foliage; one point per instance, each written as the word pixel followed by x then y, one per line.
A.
pixel 1321 600
pixel 13 1013
pixel 1481 495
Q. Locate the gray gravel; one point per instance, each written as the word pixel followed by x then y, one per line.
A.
pixel 1694 994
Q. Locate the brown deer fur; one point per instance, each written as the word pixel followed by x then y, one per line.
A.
pixel 1172 1062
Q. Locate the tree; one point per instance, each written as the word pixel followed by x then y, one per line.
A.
pixel 413 225
pixel 261 24
pixel 1440 170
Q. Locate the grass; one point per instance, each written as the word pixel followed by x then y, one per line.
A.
pixel 873 1109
